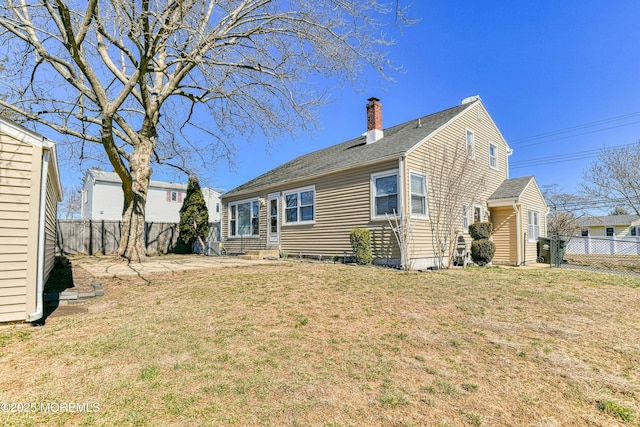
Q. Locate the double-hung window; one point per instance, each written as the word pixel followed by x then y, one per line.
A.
pixel 493 156
pixel 419 207
pixel 244 218
pixel 610 231
pixel 384 190
pixel 534 225
pixel 471 145
pixel 299 206
pixel 633 231
pixel 465 218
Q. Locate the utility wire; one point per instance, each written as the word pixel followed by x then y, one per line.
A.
pixel 578 127
pixel 579 155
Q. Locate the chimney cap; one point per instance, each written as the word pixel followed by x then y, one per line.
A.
pixel 373 99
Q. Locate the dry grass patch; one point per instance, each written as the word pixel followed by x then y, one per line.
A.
pixel 332 345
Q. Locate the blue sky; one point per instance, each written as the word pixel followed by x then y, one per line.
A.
pixel 539 67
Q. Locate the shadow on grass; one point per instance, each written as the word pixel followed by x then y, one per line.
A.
pixel 60 279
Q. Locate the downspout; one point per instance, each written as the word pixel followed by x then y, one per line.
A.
pixel 518 233
pixel 42 219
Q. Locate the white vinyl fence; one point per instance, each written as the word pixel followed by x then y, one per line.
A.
pixel 579 245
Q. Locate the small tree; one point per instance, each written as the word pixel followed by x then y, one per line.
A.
pixel 564 210
pixel 619 211
pixel 194 216
pixel 454 182
pixel 403 228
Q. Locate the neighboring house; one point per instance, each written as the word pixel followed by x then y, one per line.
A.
pixel 309 205
pixel 103 199
pixel 606 235
pixel 608 226
pixel 29 194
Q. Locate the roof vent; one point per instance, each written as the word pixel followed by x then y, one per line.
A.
pixel 470 99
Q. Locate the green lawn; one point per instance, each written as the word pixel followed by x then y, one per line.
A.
pixel 310 344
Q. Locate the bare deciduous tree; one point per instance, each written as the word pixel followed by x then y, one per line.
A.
pixel 149 81
pixel 615 177
pixel 453 183
pixel 71 206
pixel 564 210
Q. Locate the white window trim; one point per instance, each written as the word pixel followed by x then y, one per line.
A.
pixel 283 222
pixel 372 192
pixel 472 215
pixel 240 202
pixel 495 157
pixel 426 195
pixel 473 144
pixel 465 218
pixel 531 238
pixel 613 230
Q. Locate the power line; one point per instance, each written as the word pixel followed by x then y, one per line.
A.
pixel 578 127
pixel 579 155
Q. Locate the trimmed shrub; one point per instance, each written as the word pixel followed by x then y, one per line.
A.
pixel 480 230
pixel 361 244
pixel 482 251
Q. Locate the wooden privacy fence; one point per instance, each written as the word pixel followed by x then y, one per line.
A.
pixel 100 237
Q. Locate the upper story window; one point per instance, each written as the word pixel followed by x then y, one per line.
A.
pixel 174 196
pixel 633 231
pixel 471 145
pixel 418 189
pixel 493 156
pixel 299 206
pixel 384 190
pixel 610 231
pixel 584 232
pixel 244 218
pixel 534 225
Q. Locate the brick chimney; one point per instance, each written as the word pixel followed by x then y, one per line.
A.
pixel 374 120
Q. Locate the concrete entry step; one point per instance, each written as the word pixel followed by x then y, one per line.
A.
pixel 256 254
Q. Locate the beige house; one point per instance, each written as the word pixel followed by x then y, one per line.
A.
pixel 518 212
pixel 29 194
pixel 308 206
pixel 618 226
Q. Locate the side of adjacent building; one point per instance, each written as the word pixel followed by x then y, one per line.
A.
pixel 30 190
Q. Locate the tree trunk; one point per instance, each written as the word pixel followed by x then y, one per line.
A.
pixel 132 242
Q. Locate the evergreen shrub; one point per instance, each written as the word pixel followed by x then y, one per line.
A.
pixel 361 244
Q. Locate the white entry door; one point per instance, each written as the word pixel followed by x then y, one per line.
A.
pixel 273 220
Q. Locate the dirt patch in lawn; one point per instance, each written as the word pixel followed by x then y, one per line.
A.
pixel 297 343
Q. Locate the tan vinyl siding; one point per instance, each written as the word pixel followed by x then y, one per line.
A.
pixel 505 235
pixel 17 171
pixel 428 158
pixel 532 199
pixel 342 202
pixel 50 229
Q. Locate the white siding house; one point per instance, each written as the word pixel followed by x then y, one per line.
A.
pixel 102 199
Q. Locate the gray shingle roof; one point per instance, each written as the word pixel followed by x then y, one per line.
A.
pixel 105 176
pixel 396 141
pixel 511 188
pixel 608 220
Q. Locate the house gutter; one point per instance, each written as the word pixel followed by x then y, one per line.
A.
pixel 42 219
